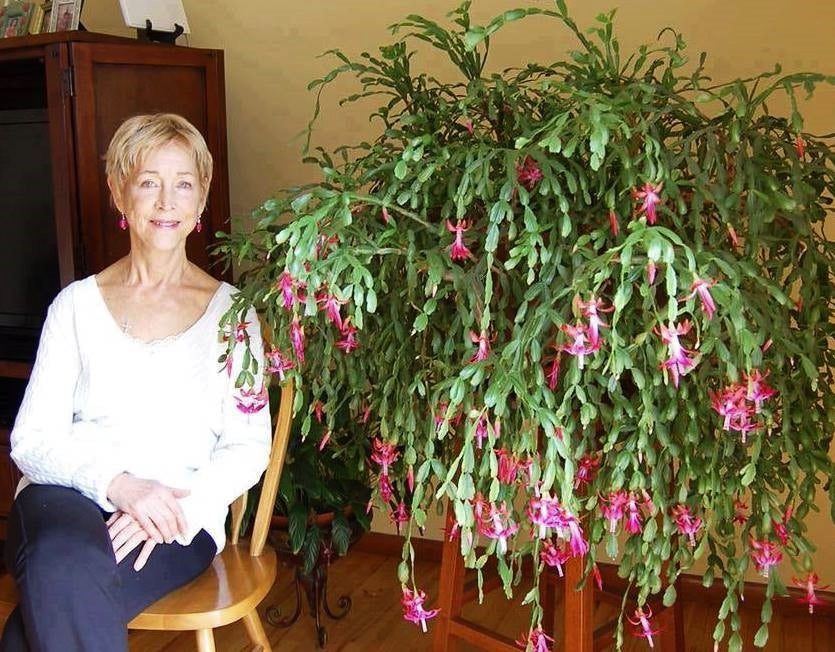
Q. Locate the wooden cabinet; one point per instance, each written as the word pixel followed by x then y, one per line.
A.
pixel 62 96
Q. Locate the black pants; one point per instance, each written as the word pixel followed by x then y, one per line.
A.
pixel 73 595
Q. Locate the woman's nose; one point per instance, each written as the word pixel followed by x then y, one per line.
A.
pixel 165 199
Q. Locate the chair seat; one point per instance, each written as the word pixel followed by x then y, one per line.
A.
pixel 229 589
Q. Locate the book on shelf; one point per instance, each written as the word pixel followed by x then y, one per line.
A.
pixel 36 21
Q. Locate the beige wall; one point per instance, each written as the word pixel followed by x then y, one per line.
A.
pixel 272 48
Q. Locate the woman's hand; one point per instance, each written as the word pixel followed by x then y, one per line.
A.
pixel 125 535
pixel 152 505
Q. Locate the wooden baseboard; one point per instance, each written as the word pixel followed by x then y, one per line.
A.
pixel 690 587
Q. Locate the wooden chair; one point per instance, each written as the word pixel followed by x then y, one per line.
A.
pixel 238 579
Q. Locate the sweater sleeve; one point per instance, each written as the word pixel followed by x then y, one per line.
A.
pixel 47 446
pixel 243 444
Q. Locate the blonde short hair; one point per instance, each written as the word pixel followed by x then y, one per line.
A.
pixel 142 134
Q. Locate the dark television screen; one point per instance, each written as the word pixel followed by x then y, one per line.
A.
pixel 28 249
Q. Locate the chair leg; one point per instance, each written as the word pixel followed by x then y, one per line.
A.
pixel 205 640
pixel 252 622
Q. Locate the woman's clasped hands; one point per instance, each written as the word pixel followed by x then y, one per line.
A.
pixel 148 513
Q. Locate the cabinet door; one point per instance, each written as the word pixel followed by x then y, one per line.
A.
pixel 115 81
pixel 9 477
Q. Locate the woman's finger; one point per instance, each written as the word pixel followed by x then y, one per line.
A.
pixel 149 526
pixel 124 549
pixel 115 526
pixel 141 560
pixel 126 534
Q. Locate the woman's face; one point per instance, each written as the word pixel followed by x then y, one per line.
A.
pixel 162 198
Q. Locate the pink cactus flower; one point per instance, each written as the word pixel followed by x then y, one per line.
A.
pixel 413 610
pixel 528 173
pixel 508 466
pixel 758 390
pixel 702 288
pixel 634 524
pixel 781 527
pixel 483 350
pixel 731 404
pixel 734 402
pixel 598 578
pixel 385 215
pixel 686 523
pixel 740 512
pixel 482 430
pixel 800 146
pixel 331 305
pixel 399 515
pixel 384 454
pixel 649 199
pixel 581 344
pixel 591 310
pixel 554 556
pixel 643 627
pixel 277 363
pixel 612 508
pixel 297 339
pixel 349 337
pixel 241 332
pixel 458 250
pixel 613 223
pixel 326 437
pixel 318 410
pixel 545 512
pixel 553 374
pixel 497 524
pixel 810 584
pixel 587 469
pixel 766 555
pixel 678 362
pixel 577 540
pixel 651 272
pixel 410 478
pixel 536 640
pixel 468 125
pixel 250 401
pixel 288 287
pixel 384 485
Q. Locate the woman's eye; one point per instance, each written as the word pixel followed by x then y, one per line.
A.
pixel 185 185
pixel 146 183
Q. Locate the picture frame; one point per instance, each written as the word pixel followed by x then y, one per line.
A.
pixel 47 14
pixel 65 15
pixel 14 19
pixel 40 18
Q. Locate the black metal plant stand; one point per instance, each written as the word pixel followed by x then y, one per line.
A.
pixel 314 584
pixel 315 587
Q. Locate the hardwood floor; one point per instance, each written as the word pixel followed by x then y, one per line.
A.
pixel 375 622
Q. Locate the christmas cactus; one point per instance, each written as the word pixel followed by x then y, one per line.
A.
pixel 587 304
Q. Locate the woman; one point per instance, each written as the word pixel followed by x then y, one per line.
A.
pixel 131 437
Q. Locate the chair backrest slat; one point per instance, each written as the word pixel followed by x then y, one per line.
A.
pixel 269 487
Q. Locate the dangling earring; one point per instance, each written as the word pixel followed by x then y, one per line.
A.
pixel 199 226
pixel 123 222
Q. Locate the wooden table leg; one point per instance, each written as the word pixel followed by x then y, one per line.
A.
pixel 451 588
pixel 579 610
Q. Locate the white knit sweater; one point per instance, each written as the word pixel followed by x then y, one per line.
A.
pixel 100 402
